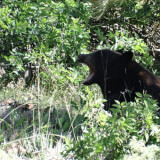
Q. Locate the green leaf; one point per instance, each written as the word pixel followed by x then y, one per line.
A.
pixel 139 94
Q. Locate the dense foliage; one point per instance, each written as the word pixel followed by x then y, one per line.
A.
pixel 137 16
pixel 108 135
pixel 40 41
pixel 42 31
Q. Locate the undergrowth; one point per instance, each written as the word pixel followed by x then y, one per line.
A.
pixel 56 115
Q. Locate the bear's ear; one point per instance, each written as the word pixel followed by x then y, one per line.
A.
pixel 127 57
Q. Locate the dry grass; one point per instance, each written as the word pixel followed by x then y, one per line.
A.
pixel 33 134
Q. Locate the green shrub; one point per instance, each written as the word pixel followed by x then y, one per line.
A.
pixel 108 135
pixel 141 17
pixel 43 32
pixel 139 150
pixel 122 40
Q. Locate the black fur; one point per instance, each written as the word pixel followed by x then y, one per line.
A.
pixel 118 76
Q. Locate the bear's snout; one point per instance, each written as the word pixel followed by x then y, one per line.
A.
pixel 81 58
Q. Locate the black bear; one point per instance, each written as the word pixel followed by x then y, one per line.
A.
pixel 118 76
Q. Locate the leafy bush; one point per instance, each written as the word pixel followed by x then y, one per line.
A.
pixel 122 40
pixel 141 17
pixel 139 151
pixel 43 32
pixel 108 135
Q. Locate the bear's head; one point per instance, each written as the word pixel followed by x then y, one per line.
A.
pixel 105 66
